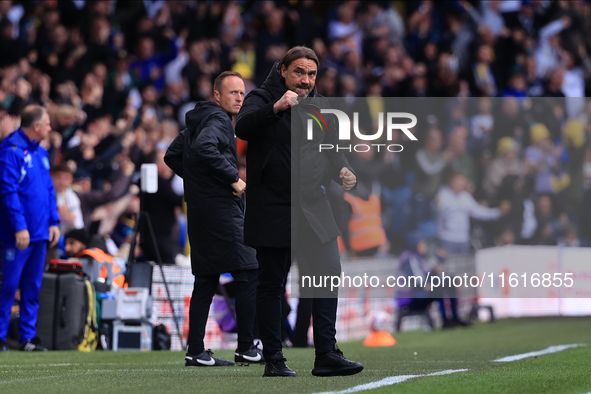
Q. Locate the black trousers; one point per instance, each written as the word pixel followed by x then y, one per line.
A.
pixel 300 332
pixel 274 264
pixel 203 290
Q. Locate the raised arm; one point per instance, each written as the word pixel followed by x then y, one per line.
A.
pixel 478 211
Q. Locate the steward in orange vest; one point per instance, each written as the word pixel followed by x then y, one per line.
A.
pixel 366 233
pixel 104 269
pixel 98 265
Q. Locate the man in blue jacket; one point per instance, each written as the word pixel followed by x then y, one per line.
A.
pixel 29 218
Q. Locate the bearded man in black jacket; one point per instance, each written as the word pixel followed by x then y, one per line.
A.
pixel 204 155
pixel 287 207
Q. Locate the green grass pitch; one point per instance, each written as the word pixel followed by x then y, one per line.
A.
pixel 472 348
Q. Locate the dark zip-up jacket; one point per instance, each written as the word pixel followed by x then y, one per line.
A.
pixel 276 194
pixel 204 155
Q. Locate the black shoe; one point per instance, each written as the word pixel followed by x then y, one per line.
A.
pixel 460 323
pixel 448 324
pixel 251 356
pixel 206 359
pixel 334 363
pixel 32 346
pixel 3 346
pixel 275 366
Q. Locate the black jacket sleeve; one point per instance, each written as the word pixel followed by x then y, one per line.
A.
pixel 174 154
pixel 255 116
pixel 207 151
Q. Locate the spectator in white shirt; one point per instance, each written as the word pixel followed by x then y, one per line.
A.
pixel 68 203
pixel 573 84
pixel 549 50
pixel 345 30
pixel 455 206
pixel 488 16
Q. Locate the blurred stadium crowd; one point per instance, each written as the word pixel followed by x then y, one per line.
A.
pixel 117 78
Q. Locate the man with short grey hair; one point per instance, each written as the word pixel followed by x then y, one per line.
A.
pixel 29 219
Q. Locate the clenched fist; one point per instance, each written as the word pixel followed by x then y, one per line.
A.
pixel 349 179
pixel 288 100
pixel 239 187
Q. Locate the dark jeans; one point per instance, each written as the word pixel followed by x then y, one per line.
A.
pixel 274 264
pixel 203 291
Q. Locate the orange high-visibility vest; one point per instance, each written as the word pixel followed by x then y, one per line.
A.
pixel 365 227
pixel 107 269
pixel 241 147
pixel 342 247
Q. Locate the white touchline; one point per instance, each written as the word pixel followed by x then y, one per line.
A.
pixel 390 380
pixel 551 349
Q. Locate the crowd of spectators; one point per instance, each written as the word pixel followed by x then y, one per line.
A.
pixel 117 78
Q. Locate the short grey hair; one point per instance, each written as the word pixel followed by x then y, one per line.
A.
pixel 31 114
